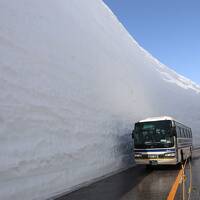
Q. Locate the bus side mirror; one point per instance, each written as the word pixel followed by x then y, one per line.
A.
pixel 133 132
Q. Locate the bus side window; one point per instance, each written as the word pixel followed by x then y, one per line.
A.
pixel 182 133
pixel 178 131
pixel 186 133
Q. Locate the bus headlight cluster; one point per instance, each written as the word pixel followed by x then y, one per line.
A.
pixel 138 155
pixel 170 155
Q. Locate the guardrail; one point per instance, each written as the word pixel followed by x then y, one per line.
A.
pixel 180 181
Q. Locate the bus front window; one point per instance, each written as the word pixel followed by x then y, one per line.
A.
pixel 156 134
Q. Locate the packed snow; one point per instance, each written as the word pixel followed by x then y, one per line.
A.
pixel 72 84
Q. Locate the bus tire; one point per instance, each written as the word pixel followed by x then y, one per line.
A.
pixel 182 158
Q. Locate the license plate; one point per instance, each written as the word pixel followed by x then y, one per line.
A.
pixel 153 162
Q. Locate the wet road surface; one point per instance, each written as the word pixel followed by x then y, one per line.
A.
pixel 139 183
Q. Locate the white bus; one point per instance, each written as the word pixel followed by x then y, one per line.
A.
pixel 161 141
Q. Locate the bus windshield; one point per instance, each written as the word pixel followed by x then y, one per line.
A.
pixel 156 134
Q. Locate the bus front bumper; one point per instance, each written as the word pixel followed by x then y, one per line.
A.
pixel 167 161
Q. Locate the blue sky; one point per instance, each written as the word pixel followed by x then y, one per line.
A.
pixel 168 29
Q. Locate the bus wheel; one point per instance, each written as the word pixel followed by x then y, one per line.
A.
pixel 182 158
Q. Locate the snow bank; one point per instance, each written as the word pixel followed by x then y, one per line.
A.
pixel 72 84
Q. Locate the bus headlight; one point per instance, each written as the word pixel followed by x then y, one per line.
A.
pixel 138 155
pixel 170 155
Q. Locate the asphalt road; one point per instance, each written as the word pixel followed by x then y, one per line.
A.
pixel 139 183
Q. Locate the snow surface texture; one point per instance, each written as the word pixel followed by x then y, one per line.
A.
pixel 72 84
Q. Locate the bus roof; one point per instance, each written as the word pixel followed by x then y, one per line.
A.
pixel 153 119
pixel 163 118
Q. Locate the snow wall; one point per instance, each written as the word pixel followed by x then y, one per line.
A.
pixel 72 84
